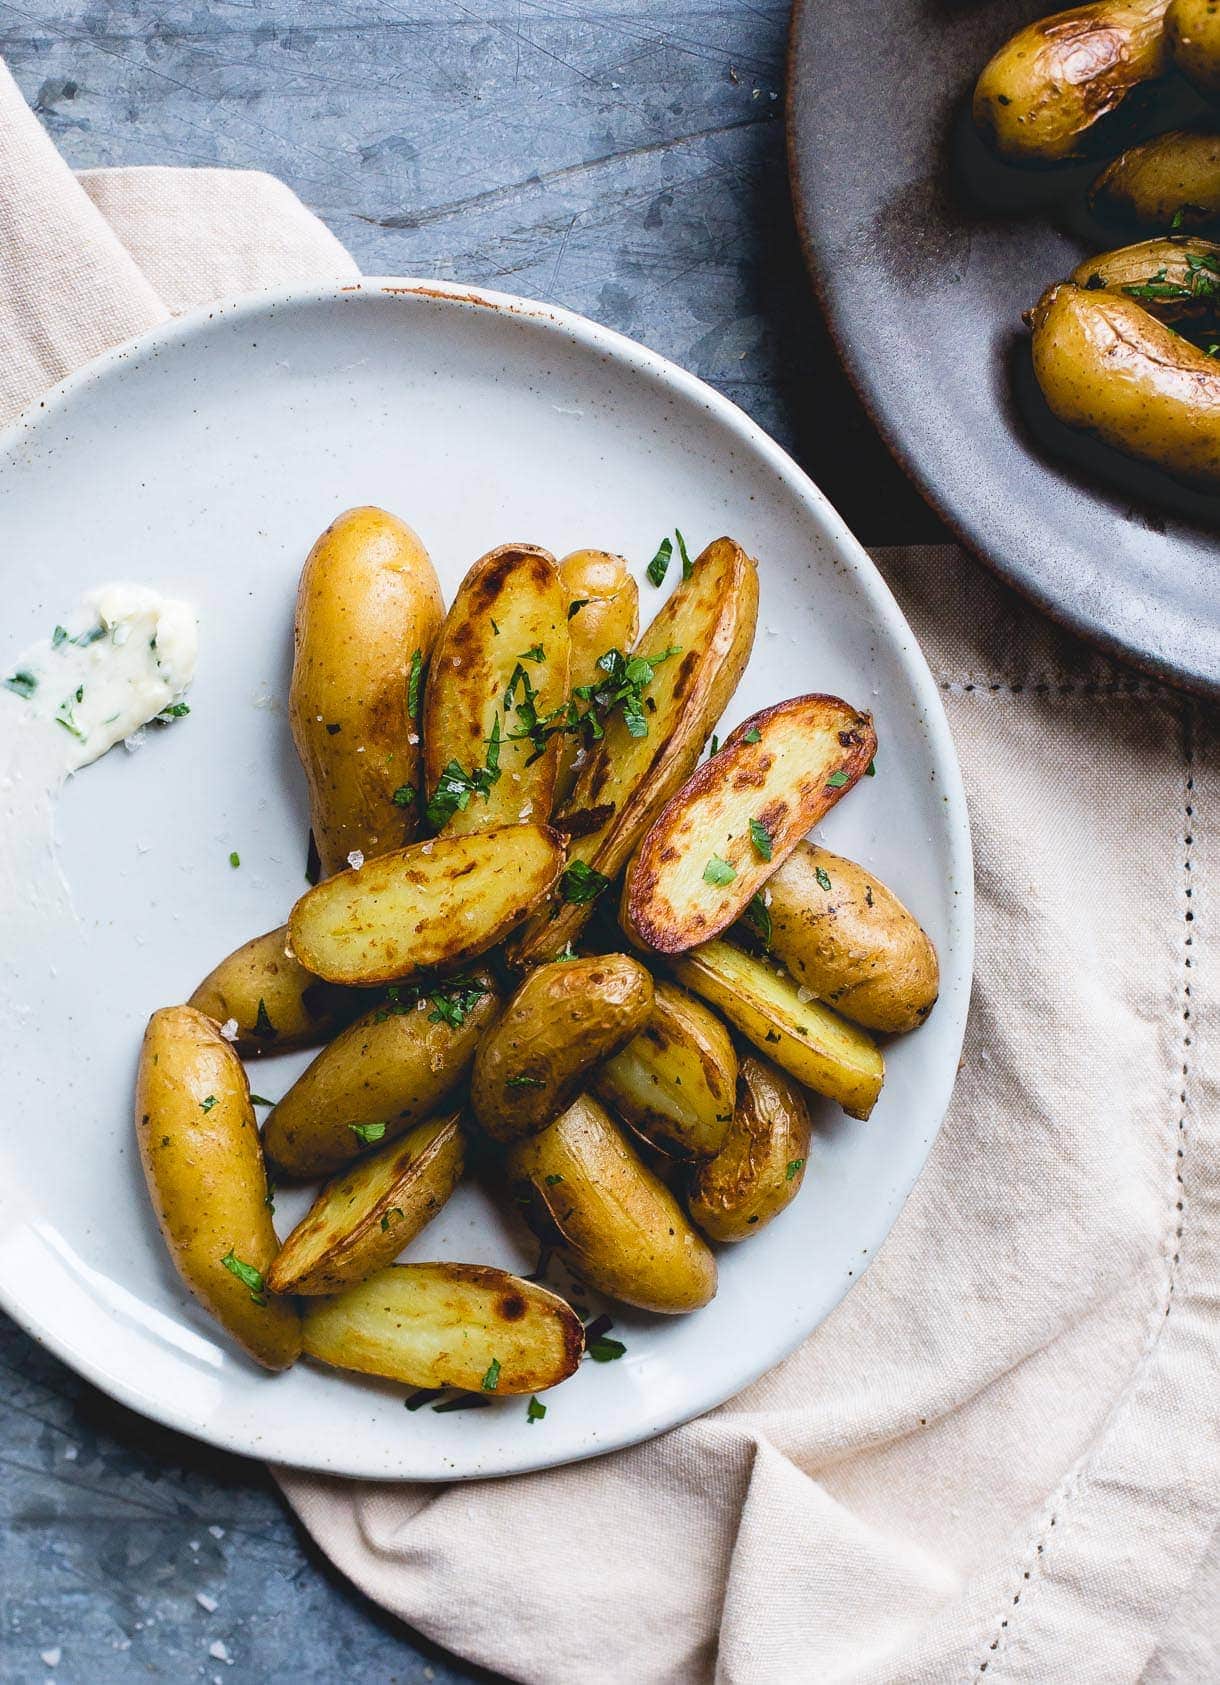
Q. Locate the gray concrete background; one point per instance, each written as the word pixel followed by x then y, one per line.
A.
pixel 621 157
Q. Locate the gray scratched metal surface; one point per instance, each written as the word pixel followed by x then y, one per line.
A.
pixel 621 157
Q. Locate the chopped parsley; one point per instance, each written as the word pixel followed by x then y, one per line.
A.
pixel 753 735
pixel 206 1105
pixel 823 877
pixel 417 668
pixel 21 683
pixel 534 653
pixel 404 796
pixel 66 718
pixel 258 1100
pixel 1201 282
pixel 457 786
pixel 235 859
pixel 581 883
pixel 394 1211
pixel 264 1029
pixel 761 838
pixel 688 567
pixel 247 1275
pixel 368 1132
pixel 175 711
pixel 658 567
pixel 574 609
pixel 491 1380
pixel 758 915
pixel 451 998
pixel 718 872
pixel 551 1180
pixel 603 1350
pixel 714 750
pixel 59 636
pixel 628 677
pixel 534 1411
pixel 525 1082
pixel 837 780
pixel 794 1164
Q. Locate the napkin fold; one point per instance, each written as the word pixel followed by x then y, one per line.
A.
pixel 1000 1457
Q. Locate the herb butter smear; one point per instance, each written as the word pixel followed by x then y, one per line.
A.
pixel 126 658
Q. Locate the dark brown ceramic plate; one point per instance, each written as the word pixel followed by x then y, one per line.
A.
pixel 925 251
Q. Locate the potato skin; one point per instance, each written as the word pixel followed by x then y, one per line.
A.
pixel 562 1020
pixel 594 1202
pixel 362 1220
pixel 759 1170
pixel 368 599
pixel 392 1066
pixel 1109 368
pixel 607 603
pixel 675 1082
pixel 443 1325
pixel 626 781
pixel 1186 266
pixel 1041 93
pixel 784 768
pixel 199 1147
pixel 278 1005
pixel 1193 28
pixel 851 941
pixel 1171 182
pixel 810 1042
pixel 433 904
pixel 510 602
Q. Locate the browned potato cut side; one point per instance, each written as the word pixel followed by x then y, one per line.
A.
pixel 759 1170
pixel 389 1070
pixel 204 1168
pixel 1107 367
pixel 811 1042
pixel 594 1202
pixel 1171 182
pixel 1174 279
pixel 504 645
pixel 739 816
pixel 434 904
pixel 675 1082
pixel 603 614
pixel 1043 91
pixel 842 934
pixel 448 1325
pixel 563 1019
pixel 709 621
pixel 362 1220
pixel 276 1003
pixel 368 608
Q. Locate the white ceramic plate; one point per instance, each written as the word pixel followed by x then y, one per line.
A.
pixel 203 460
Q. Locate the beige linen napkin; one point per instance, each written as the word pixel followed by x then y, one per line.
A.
pixel 1000 1458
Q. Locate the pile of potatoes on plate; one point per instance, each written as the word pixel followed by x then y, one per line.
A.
pixel 545 931
pixel 1127 348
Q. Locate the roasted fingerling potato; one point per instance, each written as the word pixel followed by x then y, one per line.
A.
pixel 200 1151
pixel 1040 95
pixel 363 1219
pixel 1171 182
pixel 1175 278
pixel 759 1170
pixel 1193 28
pixel 391 1069
pixel 564 1019
pixel 593 1201
pixel 448 1325
pixel 696 650
pixel 276 1003
pixel 500 663
pixel 675 1082
pixel 1106 367
pixel 786 1024
pixel 840 933
pixel 368 608
pixel 738 817
pixel 603 614
pixel 434 904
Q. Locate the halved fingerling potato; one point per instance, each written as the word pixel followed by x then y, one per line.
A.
pixel 592 1200
pixel 389 1070
pixel 361 1221
pixel 1193 29
pixel 448 1325
pixel 759 1170
pixel 739 816
pixel 501 662
pixel 812 1043
pixel 675 1082
pixel 276 1003
pixel 1043 91
pixel 368 608
pixel 436 903
pixel 199 1147
pixel 1173 278
pixel 1107 367
pixel 706 632
pixel 563 1019
pixel 1171 182
pixel 603 614
pixel 842 934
